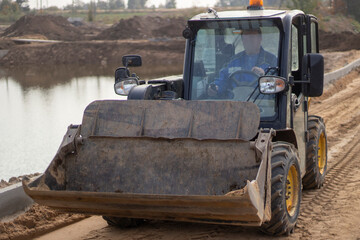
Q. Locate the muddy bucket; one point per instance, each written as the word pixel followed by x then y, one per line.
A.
pixel 191 161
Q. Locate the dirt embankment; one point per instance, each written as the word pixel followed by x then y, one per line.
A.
pixel 36 221
pixel 343 41
pixel 145 27
pixel 155 38
pixel 336 60
pixel 58 28
pixel 14 180
pixel 97 53
pixel 45 27
pixel 6 44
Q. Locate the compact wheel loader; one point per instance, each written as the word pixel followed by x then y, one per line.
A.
pixel 173 151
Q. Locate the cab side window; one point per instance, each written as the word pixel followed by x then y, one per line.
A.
pixel 314 42
pixel 298 49
pixel 295 48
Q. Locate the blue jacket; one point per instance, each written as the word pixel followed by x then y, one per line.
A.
pixel 241 61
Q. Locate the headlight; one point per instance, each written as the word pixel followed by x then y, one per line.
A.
pixel 272 84
pixel 124 87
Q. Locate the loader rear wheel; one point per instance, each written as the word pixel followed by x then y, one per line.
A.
pixel 316 154
pixel 122 222
pixel 285 189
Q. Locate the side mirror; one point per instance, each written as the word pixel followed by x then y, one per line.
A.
pixel 132 61
pixel 188 33
pixel 313 74
pixel 121 73
pixel 124 82
pixel 272 84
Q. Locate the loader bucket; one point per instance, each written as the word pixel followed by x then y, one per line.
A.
pixel 197 161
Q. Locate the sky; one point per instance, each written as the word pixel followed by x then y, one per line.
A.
pixel 179 3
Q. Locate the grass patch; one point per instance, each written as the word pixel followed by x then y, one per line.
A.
pixel 10 18
pixel 109 16
pixel 356 25
pixel 103 17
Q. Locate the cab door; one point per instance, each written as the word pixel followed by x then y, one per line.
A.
pixel 299 103
pixel 304 40
pixel 312 34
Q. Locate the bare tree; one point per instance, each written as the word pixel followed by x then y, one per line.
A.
pixel 136 4
pixel 170 4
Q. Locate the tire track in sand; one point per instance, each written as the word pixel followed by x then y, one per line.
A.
pixel 326 213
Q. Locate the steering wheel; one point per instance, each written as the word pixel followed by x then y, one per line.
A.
pixel 238 83
pixel 244 89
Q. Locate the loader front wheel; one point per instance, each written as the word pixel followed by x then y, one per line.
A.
pixel 122 222
pixel 316 154
pixel 285 189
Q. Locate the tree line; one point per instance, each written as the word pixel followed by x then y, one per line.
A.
pixel 347 7
pixel 8 7
pixel 116 4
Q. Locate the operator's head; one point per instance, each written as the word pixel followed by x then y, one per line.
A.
pixel 251 39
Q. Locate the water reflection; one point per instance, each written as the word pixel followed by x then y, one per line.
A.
pixel 47 77
pixel 37 105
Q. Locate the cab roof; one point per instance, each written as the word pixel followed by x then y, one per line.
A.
pixel 240 14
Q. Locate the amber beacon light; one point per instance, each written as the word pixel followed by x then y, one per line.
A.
pixel 256 5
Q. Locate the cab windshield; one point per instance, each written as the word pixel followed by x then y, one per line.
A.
pixel 229 58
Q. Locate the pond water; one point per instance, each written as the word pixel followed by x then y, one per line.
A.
pixel 35 113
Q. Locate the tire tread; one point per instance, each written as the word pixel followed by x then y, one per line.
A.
pixel 281 223
pixel 313 178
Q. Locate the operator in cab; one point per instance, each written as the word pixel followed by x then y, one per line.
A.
pixel 245 67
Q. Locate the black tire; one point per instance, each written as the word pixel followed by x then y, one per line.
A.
pixel 316 154
pixel 123 222
pixel 285 195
